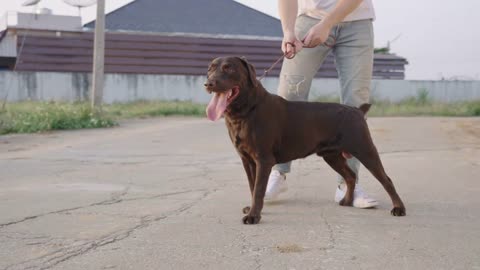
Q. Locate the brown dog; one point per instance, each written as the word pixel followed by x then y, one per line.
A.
pixel 267 129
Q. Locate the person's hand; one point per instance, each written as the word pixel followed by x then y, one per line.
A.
pixel 289 50
pixel 317 35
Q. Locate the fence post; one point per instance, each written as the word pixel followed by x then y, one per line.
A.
pixel 98 57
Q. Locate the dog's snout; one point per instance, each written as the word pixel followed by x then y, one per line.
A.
pixel 209 83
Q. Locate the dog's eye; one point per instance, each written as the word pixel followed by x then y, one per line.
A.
pixel 212 67
pixel 226 68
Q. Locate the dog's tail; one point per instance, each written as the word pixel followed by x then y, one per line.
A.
pixel 365 107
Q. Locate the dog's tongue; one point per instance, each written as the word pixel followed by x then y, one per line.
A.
pixel 218 104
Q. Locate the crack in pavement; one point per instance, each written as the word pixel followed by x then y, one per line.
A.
pixel 79 248
pixel 31 240
pixel 163 195
pixel 116 198
pixel 246 247
pixel 331 235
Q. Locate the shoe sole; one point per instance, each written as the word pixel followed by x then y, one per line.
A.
pixel 372 205
pixel 274 197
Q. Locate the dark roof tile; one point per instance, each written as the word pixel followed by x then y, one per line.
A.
pixel 192 16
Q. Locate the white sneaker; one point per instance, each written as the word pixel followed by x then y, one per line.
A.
pixel 360 199
pixel 277 183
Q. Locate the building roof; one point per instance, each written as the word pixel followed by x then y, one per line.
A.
pixel 192 16
pixel 147 53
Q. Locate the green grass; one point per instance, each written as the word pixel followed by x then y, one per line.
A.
pixel 411 107
pixel 421 105
pixel 31 117
pixel 142 109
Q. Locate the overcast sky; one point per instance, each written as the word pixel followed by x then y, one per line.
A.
pixel 439 38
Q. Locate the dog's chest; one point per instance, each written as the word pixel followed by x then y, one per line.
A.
pixel 240 135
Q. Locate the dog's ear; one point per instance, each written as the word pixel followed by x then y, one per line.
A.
pixel 252 74
pixel 365 107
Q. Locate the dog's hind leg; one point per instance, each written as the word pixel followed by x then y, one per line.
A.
pixel 339 164
pixel 371 160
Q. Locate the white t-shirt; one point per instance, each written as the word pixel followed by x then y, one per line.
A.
pixel 320 8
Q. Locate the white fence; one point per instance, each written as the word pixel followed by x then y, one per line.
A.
pixel 46 86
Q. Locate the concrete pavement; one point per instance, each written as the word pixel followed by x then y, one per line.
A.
pixel 167 193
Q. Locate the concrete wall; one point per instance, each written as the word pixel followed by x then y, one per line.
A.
pixel 8 46
pixel 19 86
pixel 31 21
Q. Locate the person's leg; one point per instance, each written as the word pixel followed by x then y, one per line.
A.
pixel 294 84
pixel 353 53
pixel 297 73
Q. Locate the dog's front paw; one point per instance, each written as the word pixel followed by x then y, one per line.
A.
pixel 398 211
pixel 246 209
pixel 248 219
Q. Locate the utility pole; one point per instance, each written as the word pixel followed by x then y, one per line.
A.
pixel 98 57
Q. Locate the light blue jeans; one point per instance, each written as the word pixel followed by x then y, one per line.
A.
pixel 353 53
